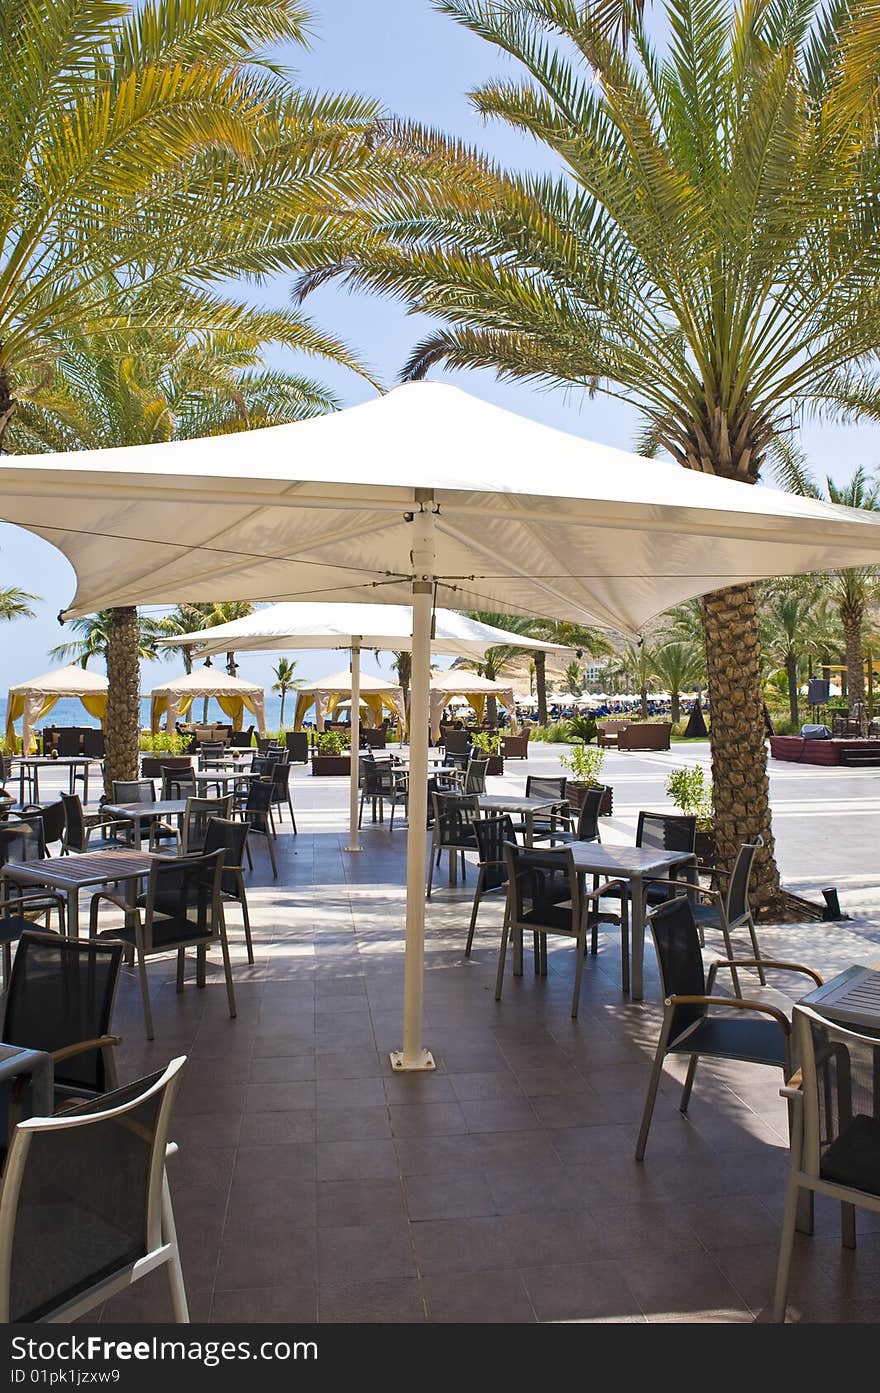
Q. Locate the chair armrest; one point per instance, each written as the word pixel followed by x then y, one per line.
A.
pixel 46 897
pixel 739 1003
pixel 85 1047
pixel 771 962
pixel 600 890
pixel 688 885
pixel 116 900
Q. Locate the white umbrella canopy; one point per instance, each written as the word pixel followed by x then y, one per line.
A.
pixel 34 699
pixel 425 494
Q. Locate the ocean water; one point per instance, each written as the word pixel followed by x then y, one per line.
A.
pixel 70 712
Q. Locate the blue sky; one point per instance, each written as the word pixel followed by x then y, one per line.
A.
pixel 420 64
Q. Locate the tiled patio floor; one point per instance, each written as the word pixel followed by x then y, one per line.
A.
pixel 312 1184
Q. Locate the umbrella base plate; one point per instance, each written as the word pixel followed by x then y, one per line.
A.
pixel 423 1061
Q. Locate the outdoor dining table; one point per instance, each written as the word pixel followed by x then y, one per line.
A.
pixel 222 778
pixel 637 865
pixel 139 813
pixel 35 763
pixel 526 808
pixel 86 870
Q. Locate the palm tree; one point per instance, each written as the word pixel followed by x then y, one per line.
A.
pixel 93 638
pixel 679 666
pixel 16 603
pixel 573 677
pixel 580 637
pixel 285 673
pixel 704 255
pixel 636 665
pixel 854 589
pixel 792 626
pixel 402 664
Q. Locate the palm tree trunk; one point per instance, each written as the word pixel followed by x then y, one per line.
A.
pixel 739 757
pixel 492 709
pixel 675 703
pixel 231 664
pixel 205 711
pixel 7 405
pixel 123 698
pixel 541 685
pixel 187 660
pixel 283 699
pixel 643 697
pixel 851 619
pixel 791 672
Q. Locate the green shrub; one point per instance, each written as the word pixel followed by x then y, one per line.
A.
pixel 691 792
pixel 582 728
pixel 164 742
pixel 489 741
pixel 585 763
pixel 333 742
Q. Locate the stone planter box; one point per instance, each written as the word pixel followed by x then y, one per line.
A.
pixel 495 765
pixel 575 795
pixel 327 766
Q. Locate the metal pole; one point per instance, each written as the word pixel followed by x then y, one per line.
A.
pixel 353 790
pixel 414 1056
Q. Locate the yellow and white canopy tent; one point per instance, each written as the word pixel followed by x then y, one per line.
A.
pixel 377 694
pixel 174 699
pixel 34 699
pixel 425 496
pixel 458 682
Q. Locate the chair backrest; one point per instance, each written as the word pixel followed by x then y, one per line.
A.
pixel 178 783
pixel 259 800
pixel 196 817
pixel 841 1101
pixel 491 834
pixel 61 993
pixel 263 765
pixel 475 776
pixel 454 817
pixel 539 786
pixel 242 739
pixel 74 822
pixel 588 817
pixel 93 743
pixel 69 741
pixel 223 834
pixel 738 886
pixel 456 742
pixel 211 752
pixel 134 791
pixel 5 767
pixel 185 890
pixel 280 781
pixel 527 880
pixel 21 839
pixel 666 831
pixel 297 742
pixel 679 958
pixel 82 1196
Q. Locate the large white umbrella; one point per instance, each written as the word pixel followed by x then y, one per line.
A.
pixel 384 627
pixel 429 494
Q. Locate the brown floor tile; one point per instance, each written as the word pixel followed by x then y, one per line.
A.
pixel 375 1250
pixel 353 1203
pixel 278 1128
pixel 267 1253
pixel 448 1196
pixel 356 1160
pixel 580 1292
pixel 461 1245
pixel 395 1301
pixel 294 1303
pixel 477 1297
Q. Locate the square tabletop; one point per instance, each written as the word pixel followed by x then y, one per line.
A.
pixel 81 869
pixel 162 807
pixel 851 999
pixel 509 803
pixel 624 861
pixel 64 761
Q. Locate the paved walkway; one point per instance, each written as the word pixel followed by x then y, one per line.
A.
pixel 312 1184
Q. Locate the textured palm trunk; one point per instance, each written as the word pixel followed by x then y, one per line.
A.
pixel 123 698
pixel 492 709
pixel 791 672
pixel 675 703
pixel 739 757
pixel 231 664
pixel 541 686
pixel 7 405
pixel 283 699
pixel 851 618
pixel 643 698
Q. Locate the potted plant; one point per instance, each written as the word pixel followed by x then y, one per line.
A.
pixel 488 742
pixel 691 792
pixel 585 762
pixel 330 754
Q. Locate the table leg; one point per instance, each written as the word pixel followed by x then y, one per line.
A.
pixel 35 769
pixel 85 781
pixel 21 782
pixel 529 830
pixel 71 778
pixel 73 912
pixel 637 928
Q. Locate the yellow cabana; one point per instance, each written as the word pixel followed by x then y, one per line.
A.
pixel 174 699
pixel 378 695
pixel 458 682
pixel 34 699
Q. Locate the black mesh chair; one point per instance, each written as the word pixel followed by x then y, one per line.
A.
pixel 297 743
pixel 835 1132
pixel 181 909
pixel 178 782
pixel 211 753
pixel 281 771
pixel 242 739
pixel 85 1208
pixel 80 835
pixel 688 1026
pixel 256 811
pixel 230 837
pixel 475 776
pixel 715 909
pixel 586 828
pixel 94 743
pixel 546 828
pixel 453 832
pixel 69 742
pixel 457 742
pixel 381 783
pixel 491 834
pixel 60 1000
pixel 198 814
pixel 534 904
pixel 21 841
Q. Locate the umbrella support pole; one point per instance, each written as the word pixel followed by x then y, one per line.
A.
pixel 414 1056
pixel 354 792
